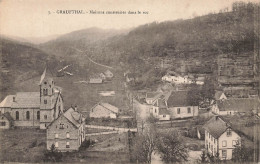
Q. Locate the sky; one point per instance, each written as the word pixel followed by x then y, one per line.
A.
pixel 31 18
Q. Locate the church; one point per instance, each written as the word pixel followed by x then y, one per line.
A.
pixel 34 109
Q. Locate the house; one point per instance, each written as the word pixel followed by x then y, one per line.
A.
pixel 103 110
pixel 220 95
pixel 130 77
pixel 6 121
pixel 151 97
pixel 179 106
pixel 67 132
pixel 103 76
pixel 235 106
pixel 95 79
pixel 220 138
pixel 35 109
pixel 108 74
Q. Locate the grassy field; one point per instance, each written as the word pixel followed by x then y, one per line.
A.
pixel 23 145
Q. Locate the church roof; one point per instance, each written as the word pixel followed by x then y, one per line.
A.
pixel 26 100
pixel 7 102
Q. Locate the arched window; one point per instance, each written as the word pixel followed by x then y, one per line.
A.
pixel 38 115
pixel 46 91
pixel 28 115
pixel 17 115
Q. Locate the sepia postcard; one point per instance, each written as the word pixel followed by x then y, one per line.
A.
pixel 138 81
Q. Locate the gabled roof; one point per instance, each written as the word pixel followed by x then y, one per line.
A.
pixel 218 94
pixel 7 102
pixel 238 104
pixel 163 111
pixel 107 106
pixel 7 115
pixel 178 99
pixel 74 117
pixel 26 100
pixel 216 126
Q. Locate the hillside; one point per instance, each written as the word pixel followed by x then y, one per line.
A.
pixel 229 32
pixel 20 62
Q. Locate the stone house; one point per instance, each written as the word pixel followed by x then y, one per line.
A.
pixel 179 106
pixel 103 110
pixel 220 138
pixel 34 109
pixel 6 121
pixel 236 106
pixel 67 132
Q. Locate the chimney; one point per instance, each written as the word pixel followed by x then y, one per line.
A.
pixel 13 99
pixel 75 108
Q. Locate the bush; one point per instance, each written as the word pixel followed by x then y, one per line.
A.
pixel 85 144
pixel 33 144
pixel 52 155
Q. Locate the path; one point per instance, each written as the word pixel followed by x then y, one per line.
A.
pixel 92 60
pixel 112 128
pixel 101 133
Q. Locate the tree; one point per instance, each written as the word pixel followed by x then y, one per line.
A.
pixel 52 155
pixel 144 143
pixel 208 90
pixel 194 94
pixel 171 148
pixel 203 157
pixel 242 153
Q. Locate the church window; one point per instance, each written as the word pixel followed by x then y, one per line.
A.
pixel 46 91
pixel 17 115
pixel 38 115
pixel 28 115
pixel 45 101
pixel 45 117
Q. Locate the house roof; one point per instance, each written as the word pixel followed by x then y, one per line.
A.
pixel 73 116
pixel 26 100
pixel 161 103
pixel 178 99
pixel 238 104
pixel 153 95
pixel 216 126
pixel 107 106
pixel 7 102
pixel 163 111
pixel 8 116
pixel 218 94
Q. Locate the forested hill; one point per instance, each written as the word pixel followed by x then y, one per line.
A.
pixel 20 62
pixel 228 32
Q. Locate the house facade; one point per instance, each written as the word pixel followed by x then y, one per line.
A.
pixel 6 121
pixel 34 109
pixel 104 110
pixel 67 132
pixel 179 106
pixel 220 138
pixel 235 106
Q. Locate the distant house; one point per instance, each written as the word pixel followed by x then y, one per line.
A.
pixel 130 77
pixel 6 121
pixel 179 106
pixel 220 138
pixel 104 110
pixel 219 95
pixel 103 76
pixel 235 106
pixel 67 132
pixel 108 74
pixel 95 79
